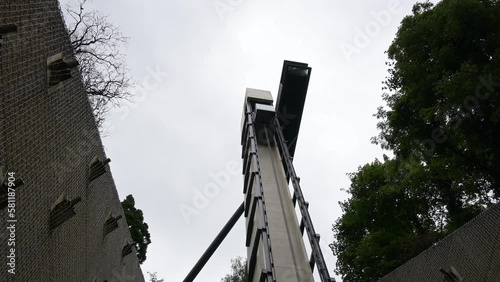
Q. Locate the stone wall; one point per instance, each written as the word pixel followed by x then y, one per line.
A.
pixel 48 138
pixel 472 250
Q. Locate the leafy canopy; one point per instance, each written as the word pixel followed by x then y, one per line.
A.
pixel 238 271
pixel 138 228
pixel 389 219
pixel 441 120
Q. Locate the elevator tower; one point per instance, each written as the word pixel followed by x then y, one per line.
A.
pixel 274 236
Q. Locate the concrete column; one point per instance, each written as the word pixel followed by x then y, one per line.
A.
pixel 289 256
pixel 289 253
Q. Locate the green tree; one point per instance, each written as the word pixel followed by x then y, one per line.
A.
pixel 442 105
pixel 389 218
pixel 238 271
pixel 138 228
pixel 441 120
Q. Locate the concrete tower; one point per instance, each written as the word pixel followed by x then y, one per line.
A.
pixel 275 247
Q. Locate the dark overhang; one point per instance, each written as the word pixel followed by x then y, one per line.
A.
pixel 291 98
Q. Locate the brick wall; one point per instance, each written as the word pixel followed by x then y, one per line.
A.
pixel 48 137
pixel 473 250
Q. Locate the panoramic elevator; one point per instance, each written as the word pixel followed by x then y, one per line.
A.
pixel 274 235
pixel 275 248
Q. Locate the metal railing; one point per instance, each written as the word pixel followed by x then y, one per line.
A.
pixel 306 222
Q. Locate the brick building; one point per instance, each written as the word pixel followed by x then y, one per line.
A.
pixel 68 210
pixel 471 253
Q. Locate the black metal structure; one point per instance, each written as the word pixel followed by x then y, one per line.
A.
pixel 214 245
pixel 289 108
pixel 279 129
pixel 306 222
pixel 291 99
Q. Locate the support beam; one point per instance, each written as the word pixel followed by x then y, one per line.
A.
pixel 215 244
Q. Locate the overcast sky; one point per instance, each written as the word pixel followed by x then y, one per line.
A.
pixel 194 60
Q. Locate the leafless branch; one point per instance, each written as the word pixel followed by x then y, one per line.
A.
pixel 97 46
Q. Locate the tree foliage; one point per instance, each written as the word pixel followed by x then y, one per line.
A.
pixel 97 45
pixel 443 108
pixel 138 228
pixel 390 217
pixel 238 271
pixel 441 120
pixel 154 278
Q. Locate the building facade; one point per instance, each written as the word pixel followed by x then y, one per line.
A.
pixel 65 216
pixel 471 253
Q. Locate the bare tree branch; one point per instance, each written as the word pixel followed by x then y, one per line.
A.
pixel 96 43
pixel 77 17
